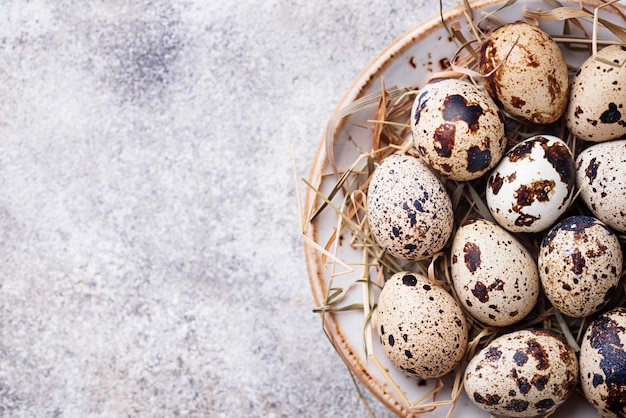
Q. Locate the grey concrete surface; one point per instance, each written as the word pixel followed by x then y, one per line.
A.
pixel 151 263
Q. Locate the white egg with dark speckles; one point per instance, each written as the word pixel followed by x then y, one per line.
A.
pixel 601 176
pixel 597 104
pixel 522 374
pixel 494 276
pixel 457 129
pixel 421 327
pixel 603 363
pixel 408 208
pixel 580 263
pixel 533 184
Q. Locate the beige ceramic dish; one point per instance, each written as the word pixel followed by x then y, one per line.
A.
pixel 407 62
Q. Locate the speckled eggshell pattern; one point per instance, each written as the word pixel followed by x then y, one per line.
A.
pixel 529 78
pixel 409 210
pixel 603 363
pixel 533 184
pixel 494 276
pixel 580 263
pixel 522 374
pixel 421 327
pixel 457 129
pixel 596 110
pixel 601 176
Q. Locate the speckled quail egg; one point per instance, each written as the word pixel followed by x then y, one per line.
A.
pixel 533 184
pixel 601 176
pixel 580 263
pixel 421 327
pixel 603 363
pixel 494 276
pixel 457 129
pixel 525 72
pixel 408 208
pixel 598 95
pixel 522 374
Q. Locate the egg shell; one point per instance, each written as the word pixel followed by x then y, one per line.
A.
pixel 603 363
pixel 525 72
pixel 408 208
pixel 457 129
pixel 533 184
pixel 421 327
pixel 522 374
pixel 601 176
pixel 598 96
pixel 580 263
pixel 494 276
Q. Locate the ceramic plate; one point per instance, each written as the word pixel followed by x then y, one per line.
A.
pixel 408 62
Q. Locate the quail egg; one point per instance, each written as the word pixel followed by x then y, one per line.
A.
pixel 457 129
pixel 525 72
pixel 494 276
pixel 580 263
pixel 522 374
pixel 601 176
pixel 533 184
pixel 596 106
pixel 603 363
pixel 421 327
pixel 408 208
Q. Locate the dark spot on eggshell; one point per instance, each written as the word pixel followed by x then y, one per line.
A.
pixel 391 340
pixel 456 108
pixel 611 115
pixel 493 354
pixel 604 337
pixel 488 399
pixel 421 105
pixel 521 151
pixel 496 182
pixel 597 380
pixel 538 190
pixel 480 291
pixel 525 219
pixel 540 381
pixel 477 159
pixel 517 102
pixel 578 112
pixel 444 139
pixel 537 351
pixel 567 287
pixel 544 404
pixel 559 156
pixel 471 256
pixel 523 385
pixel 408 354
pixel 517 405
pixel 409 280
pixel 520 358
pixel 592 170
pixel 578 261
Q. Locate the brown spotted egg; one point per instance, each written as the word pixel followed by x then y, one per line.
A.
pixel 409 211
pixel 580 263
pixel 525 72
pixel 596 110
pixel 603 363
pixel 494 276
pixel 533 184
pixel 457 129
pixel 421 327
pixel 522 374
pixel 601 176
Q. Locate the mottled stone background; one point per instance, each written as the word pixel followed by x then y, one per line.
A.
pixel 151 262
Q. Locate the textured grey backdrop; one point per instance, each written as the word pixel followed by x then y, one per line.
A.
pixel 150 256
